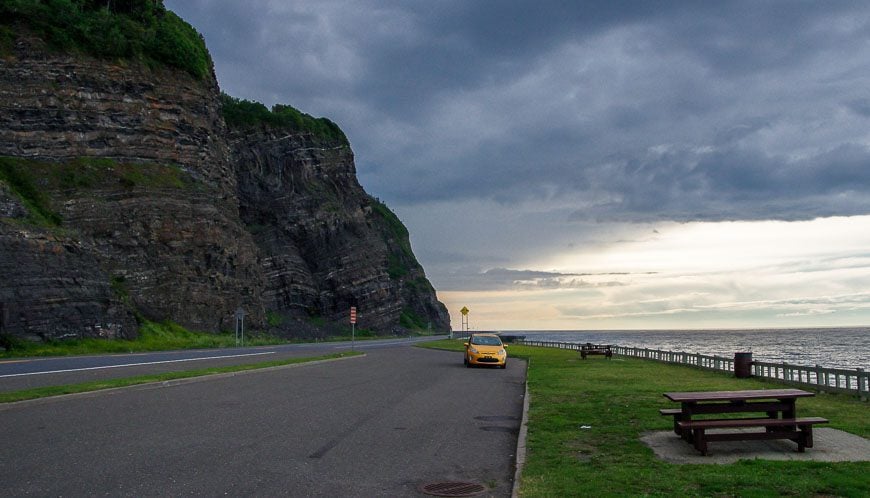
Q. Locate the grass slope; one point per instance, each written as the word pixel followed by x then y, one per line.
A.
pixel 153 336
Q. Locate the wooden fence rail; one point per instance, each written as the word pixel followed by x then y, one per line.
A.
pixel 855 381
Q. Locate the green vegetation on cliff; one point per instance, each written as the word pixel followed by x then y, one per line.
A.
pixel 401 260
pixel 241 114
pixel 32 181
pixel 122 29
pixel 412 321
pixel 84 173
pixel 22 184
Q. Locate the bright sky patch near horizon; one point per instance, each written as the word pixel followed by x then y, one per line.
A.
pixel 595 165
pixel 759 274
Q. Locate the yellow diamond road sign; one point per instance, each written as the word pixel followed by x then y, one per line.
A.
pixel 464 310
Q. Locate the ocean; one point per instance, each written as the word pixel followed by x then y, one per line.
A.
pixel 828 347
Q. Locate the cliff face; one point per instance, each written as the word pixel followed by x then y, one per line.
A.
pixel 325 244
pixel 122 193
pixel 133 161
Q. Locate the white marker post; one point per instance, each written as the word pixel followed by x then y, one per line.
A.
pixel 352 327
pixel 240 325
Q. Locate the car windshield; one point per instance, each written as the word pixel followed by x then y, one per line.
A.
pixel 486 341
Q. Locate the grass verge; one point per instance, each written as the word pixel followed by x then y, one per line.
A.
pixel 43 392
pixel 164 336
pixel 153 336
pixel 619 399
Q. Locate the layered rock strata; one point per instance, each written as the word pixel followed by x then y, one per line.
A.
pixel 325 244
pixel 140 206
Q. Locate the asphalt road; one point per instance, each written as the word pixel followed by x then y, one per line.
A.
pixel 379 425
pixel 26 373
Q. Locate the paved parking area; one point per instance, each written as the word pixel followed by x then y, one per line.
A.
pixel 379 425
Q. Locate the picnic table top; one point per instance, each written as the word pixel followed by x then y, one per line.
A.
pixel 690 397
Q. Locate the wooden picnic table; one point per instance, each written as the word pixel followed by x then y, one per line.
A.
pixel 780 419
pixel 772 401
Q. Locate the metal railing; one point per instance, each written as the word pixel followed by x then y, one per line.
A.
pixel 708 362
pixel 830 379
pixel 855 381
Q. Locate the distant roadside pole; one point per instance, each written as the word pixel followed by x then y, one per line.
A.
pixel 240 326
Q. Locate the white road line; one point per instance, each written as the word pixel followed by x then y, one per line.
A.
pixel 135 364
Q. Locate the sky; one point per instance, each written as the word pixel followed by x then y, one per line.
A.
pixel 592 165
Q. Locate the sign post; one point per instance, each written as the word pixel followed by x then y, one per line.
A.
pixel 352 328
pixel 464 312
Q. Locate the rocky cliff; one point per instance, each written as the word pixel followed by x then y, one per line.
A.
pixel 325 244
pixel 124 196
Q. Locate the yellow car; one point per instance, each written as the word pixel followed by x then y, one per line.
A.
pixel 485 349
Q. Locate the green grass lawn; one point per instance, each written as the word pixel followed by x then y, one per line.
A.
pixel 619 400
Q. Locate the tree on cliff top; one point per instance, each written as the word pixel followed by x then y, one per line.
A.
pixel 127 29
pixel 240 114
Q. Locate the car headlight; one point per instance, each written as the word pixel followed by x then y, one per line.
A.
pixel 473 351
pixel 502 352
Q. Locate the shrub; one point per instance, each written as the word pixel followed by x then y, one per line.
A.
pixel 138 29
pixel 274 319
pixel 243 114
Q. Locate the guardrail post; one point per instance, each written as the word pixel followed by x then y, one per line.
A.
pixel 862 384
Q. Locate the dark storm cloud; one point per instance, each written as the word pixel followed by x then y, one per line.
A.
pixel 860 107
pixel 635 111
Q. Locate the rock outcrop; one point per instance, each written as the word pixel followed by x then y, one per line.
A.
pixel 123 195
pixel 325 244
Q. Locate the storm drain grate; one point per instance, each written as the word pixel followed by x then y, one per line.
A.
pixel 452 489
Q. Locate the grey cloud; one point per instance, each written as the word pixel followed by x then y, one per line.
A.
pixel 500 279
pixel 736 184
pixel 658 110
pixel 737 131
pixel 860 107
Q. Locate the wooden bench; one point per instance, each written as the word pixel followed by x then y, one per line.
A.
pixel 599 349
pixel 799 430
pixel 677 413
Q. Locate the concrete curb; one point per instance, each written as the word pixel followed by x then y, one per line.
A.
pixel 165 383
pixel 521 439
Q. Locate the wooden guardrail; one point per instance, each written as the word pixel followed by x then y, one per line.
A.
pixel 854 381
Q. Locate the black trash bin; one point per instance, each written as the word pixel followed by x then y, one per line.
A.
pixel 742 365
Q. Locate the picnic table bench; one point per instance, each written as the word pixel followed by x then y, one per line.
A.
pixel 599 349
pixel 778 405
